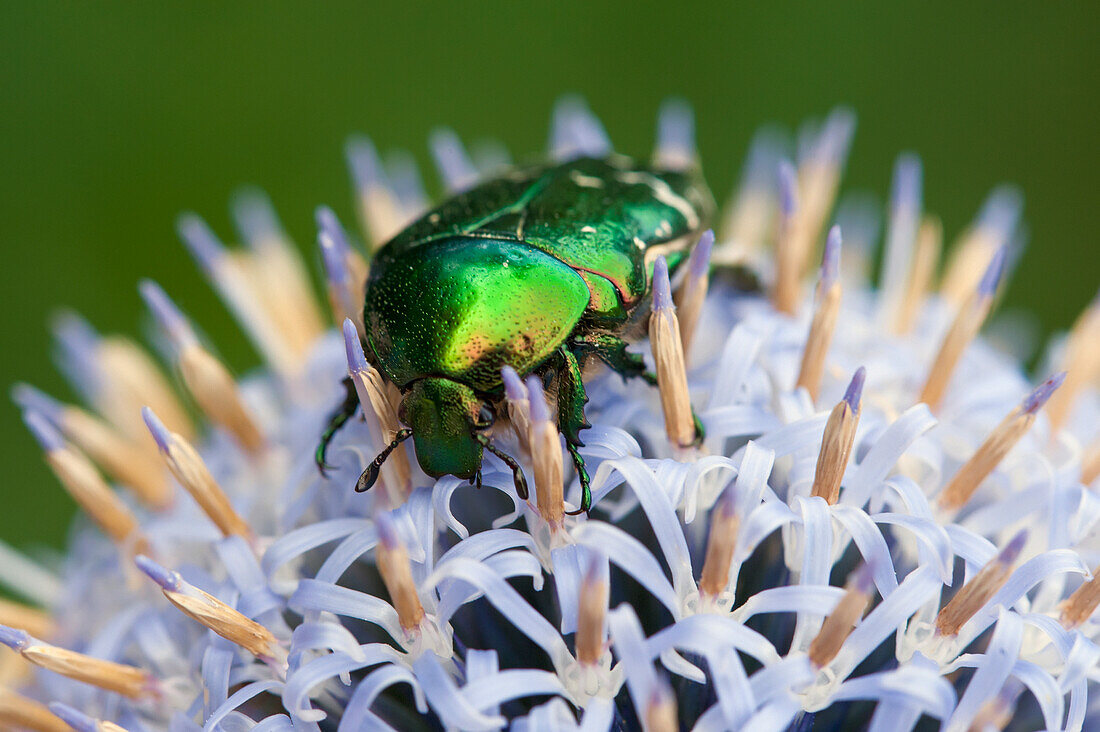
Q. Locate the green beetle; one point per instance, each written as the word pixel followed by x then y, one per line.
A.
pixel 540 270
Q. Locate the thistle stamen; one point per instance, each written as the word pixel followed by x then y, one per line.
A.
pixel 826 308
pixel 83 482
pixel 370 386
pixel 345 270
pixel 130 681
pixel 215 614
pixel 117 376
pixel 839 623
pixel 592 612
pixel 1081 363
pixel 963 330
pixel 979 245
pixel 1080 606
pixel 378 207
pixel 905 211
pixel 837 440
pixel 1090 465
pixel 788 257
pixel 693 292
pixel 206 378
pixel 17 615
pixel 973 596
pixel 233 278
pixel 750 212
pixel 819 173
pixel 190 470
pixel 518 405
pixel 1003 438
pixel 661 714
pixel 921 273
pixel 282 280
pixel 451 159
pixel 19 712
pixel 668 355
pixel 392 559
pixel 675 136
pixel 81 722
pixel 721 542
pixel 546 455
pixel 123 460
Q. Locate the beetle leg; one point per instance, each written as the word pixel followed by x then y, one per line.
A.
pixel 336 420
pixel 611 349
pixel 369 476
pixel 571 419
pixel 517 471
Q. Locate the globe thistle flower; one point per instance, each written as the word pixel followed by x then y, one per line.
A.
pixel 887 521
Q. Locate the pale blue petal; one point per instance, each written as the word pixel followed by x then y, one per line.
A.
pixel 296 693
pixel 761 523
pixel 314 636
pixel 312 595
pixel 505 599
pixel 752 476
pixel 453 594
pixel 1045 690
pixel 914 686
pixel 993 668
pixel 795 436
pixel 739 420
pixel 569 567
pixel 706 634
pixel 975 550
pixel 1027 575
pixel 885 453
pixel 634 656
pixel 1078 706
pixel 298 542
pixel 346 553
pixel 815 599
pixel 871 544
pixel 447 701
pixel 738 355
pixel 490 692
pixel 239 697
pixel 933 543
pixel 888 616
pixel 775 716
pixel 632 557
pixel 357 714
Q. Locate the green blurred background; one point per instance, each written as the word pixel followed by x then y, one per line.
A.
pixel 116 116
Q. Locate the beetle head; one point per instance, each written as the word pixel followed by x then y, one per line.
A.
pixel 444 415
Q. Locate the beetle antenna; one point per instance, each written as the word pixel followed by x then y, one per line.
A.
pixel 370 475
pixel 517 472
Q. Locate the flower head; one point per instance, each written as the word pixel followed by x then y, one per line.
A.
pixel 833 494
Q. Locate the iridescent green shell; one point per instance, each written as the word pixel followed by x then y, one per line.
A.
pixel 505 272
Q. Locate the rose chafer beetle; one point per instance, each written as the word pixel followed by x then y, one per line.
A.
pixel 542 270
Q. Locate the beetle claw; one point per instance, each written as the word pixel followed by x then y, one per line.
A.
pixel 370 475
pixel 367 479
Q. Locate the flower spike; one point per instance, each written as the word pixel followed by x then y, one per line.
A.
pixel 1002 439
pixel 190 470
pixel 826 309
pixel 836 444
pixel 668 355
pixel 693 291
pixel 20 712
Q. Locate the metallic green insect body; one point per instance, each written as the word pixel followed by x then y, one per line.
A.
pixel 539 270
